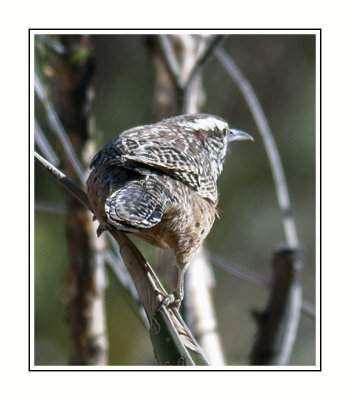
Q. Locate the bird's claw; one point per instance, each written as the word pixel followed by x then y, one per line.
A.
pixel 170 301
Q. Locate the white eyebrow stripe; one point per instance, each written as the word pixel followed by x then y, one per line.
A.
pixel 208 123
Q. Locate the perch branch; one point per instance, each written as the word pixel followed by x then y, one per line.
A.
pixel 149 288
pixel 128 289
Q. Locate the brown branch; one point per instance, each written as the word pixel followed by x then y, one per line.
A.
pixel 149 288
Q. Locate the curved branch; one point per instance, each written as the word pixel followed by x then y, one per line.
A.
pixel 271 149
pixel 278 323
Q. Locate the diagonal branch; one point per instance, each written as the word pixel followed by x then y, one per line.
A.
pixel 63 180
pixel 214 44
pixel 188 87
pixel 254 278
pixel 182 346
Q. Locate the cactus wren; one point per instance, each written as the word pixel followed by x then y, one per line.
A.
pixel 159 183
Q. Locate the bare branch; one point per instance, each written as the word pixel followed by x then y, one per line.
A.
pixel 64 181
pixel 51 208
pixel 150 290
pixel 81 196
pixel 237 270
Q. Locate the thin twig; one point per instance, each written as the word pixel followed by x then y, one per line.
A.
pixel 81 196
pixel 64 181
pixel 44 206
pixel 236 270
pixel 253 278
pixel 150 290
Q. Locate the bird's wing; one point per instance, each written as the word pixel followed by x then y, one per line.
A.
pixel 136 205
pixel 174 146
pixel 178 153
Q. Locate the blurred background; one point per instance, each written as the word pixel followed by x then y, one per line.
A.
pixel 281 69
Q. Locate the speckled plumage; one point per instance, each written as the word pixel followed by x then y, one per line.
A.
pixel 159 182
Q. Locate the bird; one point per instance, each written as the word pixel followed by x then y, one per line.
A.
pixel 159 183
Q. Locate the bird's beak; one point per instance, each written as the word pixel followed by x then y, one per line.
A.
pixel 236 134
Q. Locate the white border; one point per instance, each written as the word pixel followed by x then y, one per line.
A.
pixel 170 31
pixel 318 200
pixel 32 199
pixel 161 368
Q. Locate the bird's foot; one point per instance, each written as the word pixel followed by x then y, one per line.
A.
pixel 171 301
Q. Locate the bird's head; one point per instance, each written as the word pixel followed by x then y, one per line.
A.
pixel 215 135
